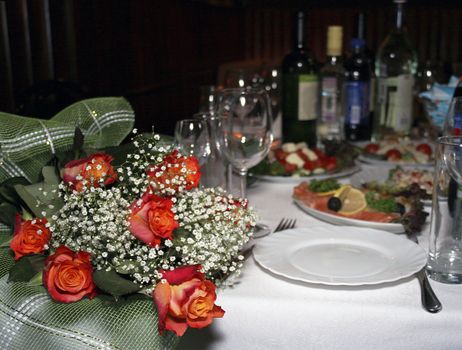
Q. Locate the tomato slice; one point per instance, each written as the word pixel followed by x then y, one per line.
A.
pixel 393 154
pixel 329 163
pixel 372 148
pixel 280 155
pixel 424 148
pixel 312 164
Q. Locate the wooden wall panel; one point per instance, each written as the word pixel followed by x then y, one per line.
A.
pixel 157 54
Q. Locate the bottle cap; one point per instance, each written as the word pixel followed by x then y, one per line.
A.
pixel 356 42
pixel 334 40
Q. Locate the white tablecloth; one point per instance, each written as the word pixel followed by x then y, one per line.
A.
pixel 264 311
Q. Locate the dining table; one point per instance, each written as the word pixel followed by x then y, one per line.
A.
pixel 267 311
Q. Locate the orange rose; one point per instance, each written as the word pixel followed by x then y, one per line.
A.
pixel 30 237
pixel 185 299
pixel 95 169
pixel 153 220
pixel 68 275
pixel 172 175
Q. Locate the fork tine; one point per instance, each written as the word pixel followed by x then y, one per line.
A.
pixel 292 225
pixel 280 226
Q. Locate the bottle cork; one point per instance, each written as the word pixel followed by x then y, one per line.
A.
pixel 334 40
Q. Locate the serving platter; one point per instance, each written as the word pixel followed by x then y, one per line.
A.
pixel 296 179
pixel 342 220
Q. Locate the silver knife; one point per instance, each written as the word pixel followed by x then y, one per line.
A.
pixel 430 301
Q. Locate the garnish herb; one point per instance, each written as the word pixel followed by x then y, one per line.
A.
pixel 323 185
pixel 384 205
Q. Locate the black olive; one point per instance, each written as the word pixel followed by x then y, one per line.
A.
pixel 401 209
pixel 334 204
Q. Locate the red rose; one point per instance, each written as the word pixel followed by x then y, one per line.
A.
pixel 30 237
pixel 95 169
pixel 186 299
pixel 68 275
pixel 169 172
pixel 153 219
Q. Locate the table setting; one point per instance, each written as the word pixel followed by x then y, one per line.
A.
pixel 312 261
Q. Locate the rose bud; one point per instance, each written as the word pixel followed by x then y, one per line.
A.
pixel 30 237
pixel 93 170
pixel 152 220
pixel 185 299
pixel 68 275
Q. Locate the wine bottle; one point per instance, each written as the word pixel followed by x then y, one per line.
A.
pixel 357 88
pixel 299 90
pixel 330 122
pixel 395 67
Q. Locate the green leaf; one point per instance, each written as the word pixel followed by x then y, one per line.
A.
pixel 42 196
pixel 37 280
pixel 26 268
pixel 50 176
pixel 7 191
pixel 6 244
pixel 29 199
pixel 8 213
pixel 79 140
pixel 114 284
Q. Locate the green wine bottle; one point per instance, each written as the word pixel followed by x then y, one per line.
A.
pixel 299 90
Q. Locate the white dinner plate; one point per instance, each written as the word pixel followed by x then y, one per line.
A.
pixel 374 161
pixel 297 179
pixel 341 220
pixel 339 255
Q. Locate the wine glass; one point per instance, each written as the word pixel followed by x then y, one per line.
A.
pixel 191 139
pixel 246 123
pixel 241 78
pixel 213 172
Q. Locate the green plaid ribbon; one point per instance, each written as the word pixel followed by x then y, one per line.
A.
pixel 27 144
pixel 29 319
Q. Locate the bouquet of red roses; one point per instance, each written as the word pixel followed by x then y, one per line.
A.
pixel 120 223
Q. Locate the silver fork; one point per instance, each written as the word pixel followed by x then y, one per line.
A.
pixel 285 224
pixel 429 299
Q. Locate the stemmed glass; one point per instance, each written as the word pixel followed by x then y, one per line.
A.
pixel 246 122
pixel 191 139
pixel 241 78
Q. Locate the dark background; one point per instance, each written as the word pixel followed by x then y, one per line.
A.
pixel 158 53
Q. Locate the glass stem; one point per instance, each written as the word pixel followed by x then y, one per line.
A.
pixel 243 176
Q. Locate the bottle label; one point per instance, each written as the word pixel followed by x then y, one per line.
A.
pixel 357 103
pixel 395 100
pixel 307 96
pixel 329 100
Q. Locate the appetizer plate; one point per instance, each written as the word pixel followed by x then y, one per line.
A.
pixel 297 179
pixel 339 256
pixel 341 220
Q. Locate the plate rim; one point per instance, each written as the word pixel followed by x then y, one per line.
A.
pixel 371 161
pixel 420 254
pixel 293 179
pixel 389 227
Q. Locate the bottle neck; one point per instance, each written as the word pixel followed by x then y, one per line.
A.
pixel 361 26
pixel 399 19
pixel 300 31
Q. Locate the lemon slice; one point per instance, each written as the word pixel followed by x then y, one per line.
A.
pixel 353 203
pixel 333 192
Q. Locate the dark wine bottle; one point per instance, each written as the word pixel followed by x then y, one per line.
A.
pixel 357 88
pixel 299 90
